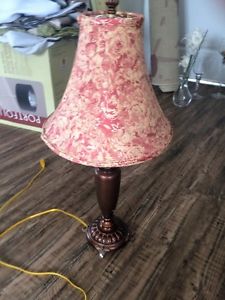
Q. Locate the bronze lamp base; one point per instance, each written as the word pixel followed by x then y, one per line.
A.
pixel 107 232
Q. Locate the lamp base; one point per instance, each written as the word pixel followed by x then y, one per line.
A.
pixel 107 234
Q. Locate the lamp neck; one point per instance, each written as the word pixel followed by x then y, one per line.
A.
pixel 112 4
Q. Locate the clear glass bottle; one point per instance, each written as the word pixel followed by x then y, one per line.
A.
pixel 182 96
pixel 196 94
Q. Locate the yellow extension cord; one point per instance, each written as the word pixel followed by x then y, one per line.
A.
pixel 54 210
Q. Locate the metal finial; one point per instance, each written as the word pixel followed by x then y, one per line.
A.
pixel 112 4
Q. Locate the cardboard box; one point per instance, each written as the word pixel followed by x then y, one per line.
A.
pixel 33 85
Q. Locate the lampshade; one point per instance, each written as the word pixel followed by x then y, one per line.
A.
pixel 109 115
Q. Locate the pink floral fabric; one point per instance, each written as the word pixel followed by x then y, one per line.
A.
pixel 109 115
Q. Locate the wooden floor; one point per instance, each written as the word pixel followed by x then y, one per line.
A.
pixel 174 205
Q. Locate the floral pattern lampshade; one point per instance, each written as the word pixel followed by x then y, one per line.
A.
pixel 109 115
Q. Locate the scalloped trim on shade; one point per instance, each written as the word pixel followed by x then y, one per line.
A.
pixel 111 164
pixel 102 18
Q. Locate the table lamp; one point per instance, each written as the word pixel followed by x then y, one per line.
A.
pixel 109 116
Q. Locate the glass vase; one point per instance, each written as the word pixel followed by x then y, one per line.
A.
pixel 182 97
pixel 195 94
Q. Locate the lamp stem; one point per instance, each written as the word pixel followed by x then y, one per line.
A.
pixel 107 183
pixel 107 232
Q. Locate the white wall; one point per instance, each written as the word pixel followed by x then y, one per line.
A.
pixel 206 15
pixel 143 7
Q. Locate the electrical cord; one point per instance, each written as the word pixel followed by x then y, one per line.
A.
pixel 13 198
pixel 43 213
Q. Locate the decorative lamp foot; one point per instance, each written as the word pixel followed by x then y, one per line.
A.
pixel 107 233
